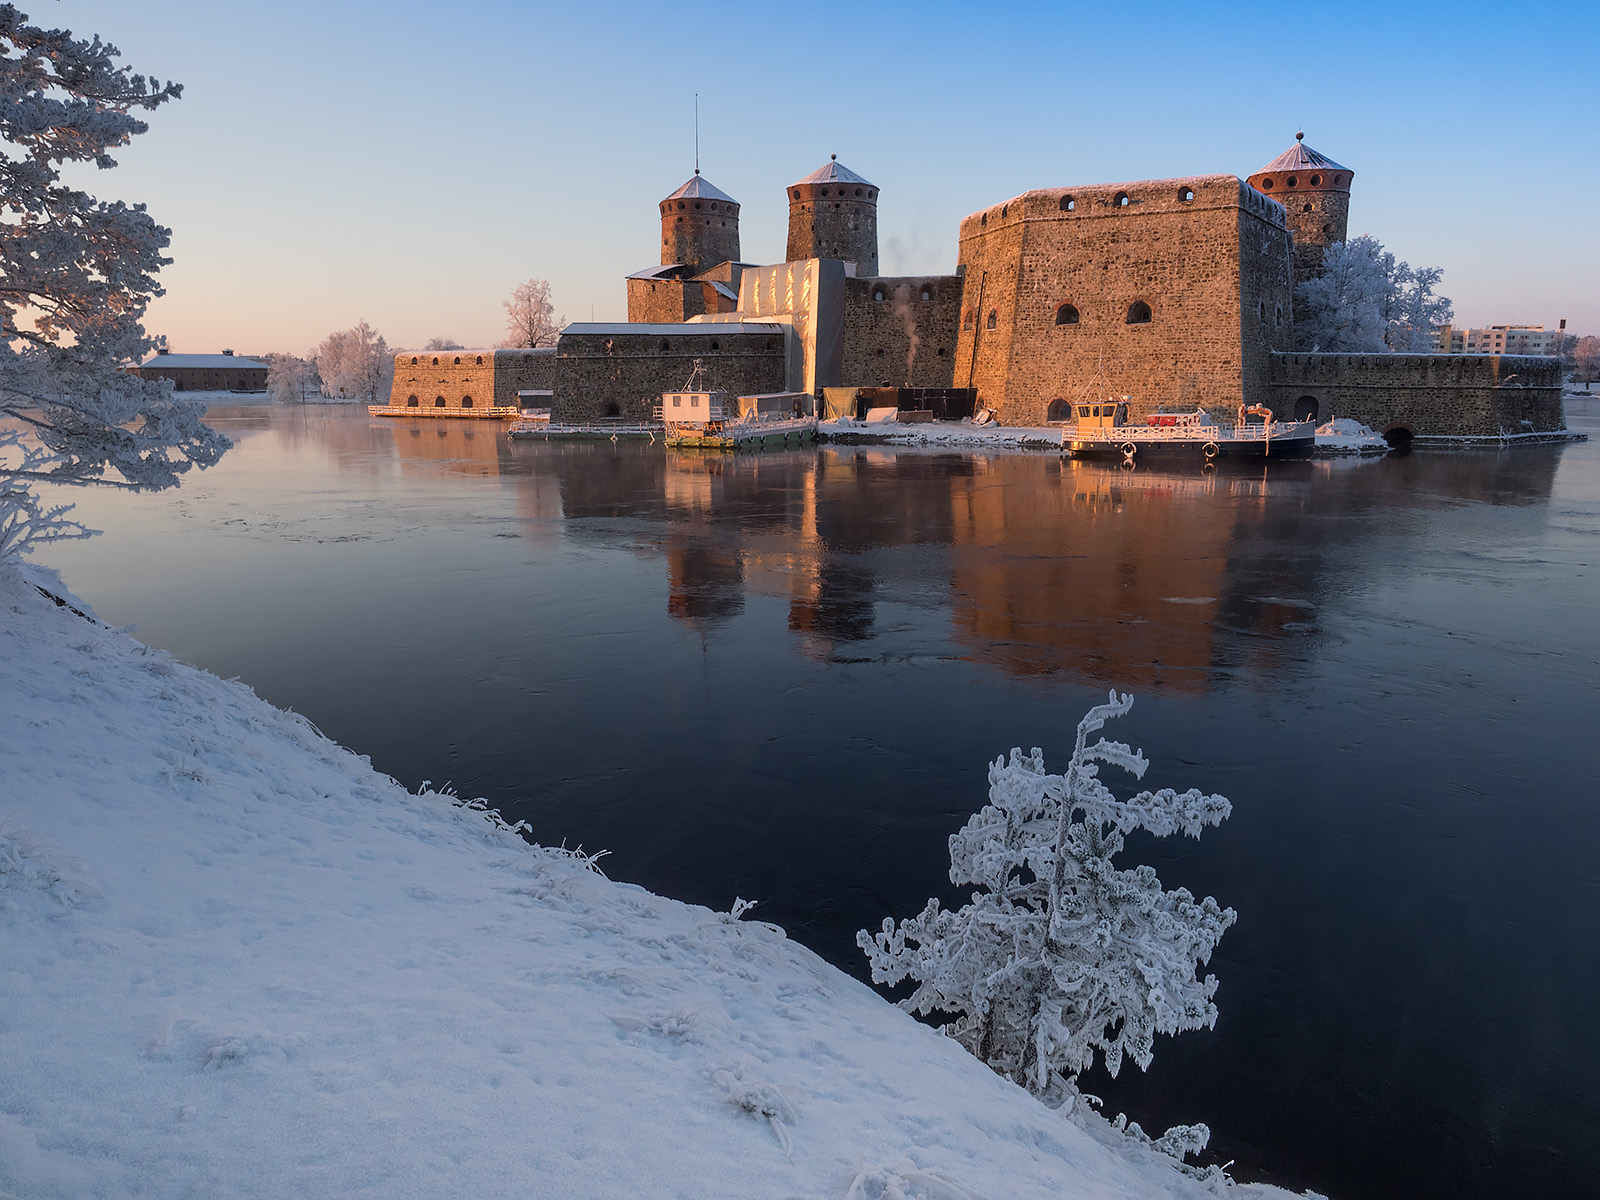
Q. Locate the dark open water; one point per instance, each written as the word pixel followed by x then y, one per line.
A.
pixel 782 677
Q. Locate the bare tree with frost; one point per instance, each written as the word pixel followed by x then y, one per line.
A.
pixel 531 316
pixel 1061 953
pixel 290 378
pixel 76 275
pixel 355 364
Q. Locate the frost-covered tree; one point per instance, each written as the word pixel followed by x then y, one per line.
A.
pixel 76 275
pixel 355 364
pixel 531 317
pixel 290 378
pixel 1366 301
pixel 1061 953
pixel 443 343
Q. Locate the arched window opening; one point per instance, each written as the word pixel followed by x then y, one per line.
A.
pixel 927 294
pixel 984 219
pixel 466 402
pixel 994 317
pixel 1068 204
pixel 1305 408
pixel 966 319
pixel 1121 200
pixel 1059 410
pixel 1185 195
pixel 716 345
pixel 1261 311
pixel 436 362
pixel 438 401
pixel 480 360
pixel 1066 315
pixel 1004 209
pixel 412 402
pixel 878 353
pixel 457 362
pixel 1138 313
pixel 1305 208
pixel 611 409
pixel 879 294
pixel 1277 314
pixel 413 362
pixel 1327 229
pixel 665 345
pixel 941 352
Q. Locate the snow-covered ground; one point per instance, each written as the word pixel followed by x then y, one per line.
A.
pixel 238 961
pixel 1344 436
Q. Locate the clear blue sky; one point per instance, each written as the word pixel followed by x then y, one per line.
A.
pixel 410 164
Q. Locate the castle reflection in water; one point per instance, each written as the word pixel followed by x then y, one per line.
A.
pixel 1138 579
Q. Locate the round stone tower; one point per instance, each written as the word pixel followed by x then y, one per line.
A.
pixel 833 213
pixel 1315 191
pixel 699 226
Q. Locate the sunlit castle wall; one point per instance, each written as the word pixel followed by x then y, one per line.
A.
pixel 470 379
pixel 699 226
pixel 1170 291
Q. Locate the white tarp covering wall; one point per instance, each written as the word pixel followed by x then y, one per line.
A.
pixel 809 297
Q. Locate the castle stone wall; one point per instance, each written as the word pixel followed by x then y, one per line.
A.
pixel 1429 395
pixel 618 371
pixel 882 316
pixel 449 379
pixel 664 301
pixel 1051 278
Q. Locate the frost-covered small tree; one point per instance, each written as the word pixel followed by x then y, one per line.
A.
pixel 355 364
pixel 1366 301
pixel 76 275
pixel 290 378
pixel 1061 953
pixel 531 317
pixel 443 343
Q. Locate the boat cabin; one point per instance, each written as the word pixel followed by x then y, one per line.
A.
pixel 696 408
pixel 1103 414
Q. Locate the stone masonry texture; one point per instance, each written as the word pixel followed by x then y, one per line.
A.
pixel 883 317
pixel 1174 292
pixel 1428 395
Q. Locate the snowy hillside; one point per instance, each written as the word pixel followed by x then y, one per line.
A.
pixel 237 961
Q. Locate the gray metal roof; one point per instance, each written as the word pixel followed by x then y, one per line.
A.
pixel 208 362
pixel 833 171
pixel 665 271
pixel 700 188
pixel 1301 157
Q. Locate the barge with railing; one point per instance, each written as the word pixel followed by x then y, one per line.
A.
pixel 1102 430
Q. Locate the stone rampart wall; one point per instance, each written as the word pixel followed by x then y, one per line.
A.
pixel 1052 278
pixel 450 379
pixel 881 318
pixel 1430 395
pixel 622 375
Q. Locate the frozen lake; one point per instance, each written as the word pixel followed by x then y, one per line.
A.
pixel 782 677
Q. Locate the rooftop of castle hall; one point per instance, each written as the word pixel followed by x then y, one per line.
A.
pixel 832 171
pixel 700 188
pixel 1301 157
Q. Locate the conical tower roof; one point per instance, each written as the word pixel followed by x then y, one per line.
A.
pixel 1300 157
pixel 833 171
pixel 700 188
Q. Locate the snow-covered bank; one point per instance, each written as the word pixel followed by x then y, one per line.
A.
pixel 237 960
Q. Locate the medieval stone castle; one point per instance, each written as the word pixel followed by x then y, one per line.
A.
pixel 1172 292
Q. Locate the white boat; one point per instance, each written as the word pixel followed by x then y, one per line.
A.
pixel 710 419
